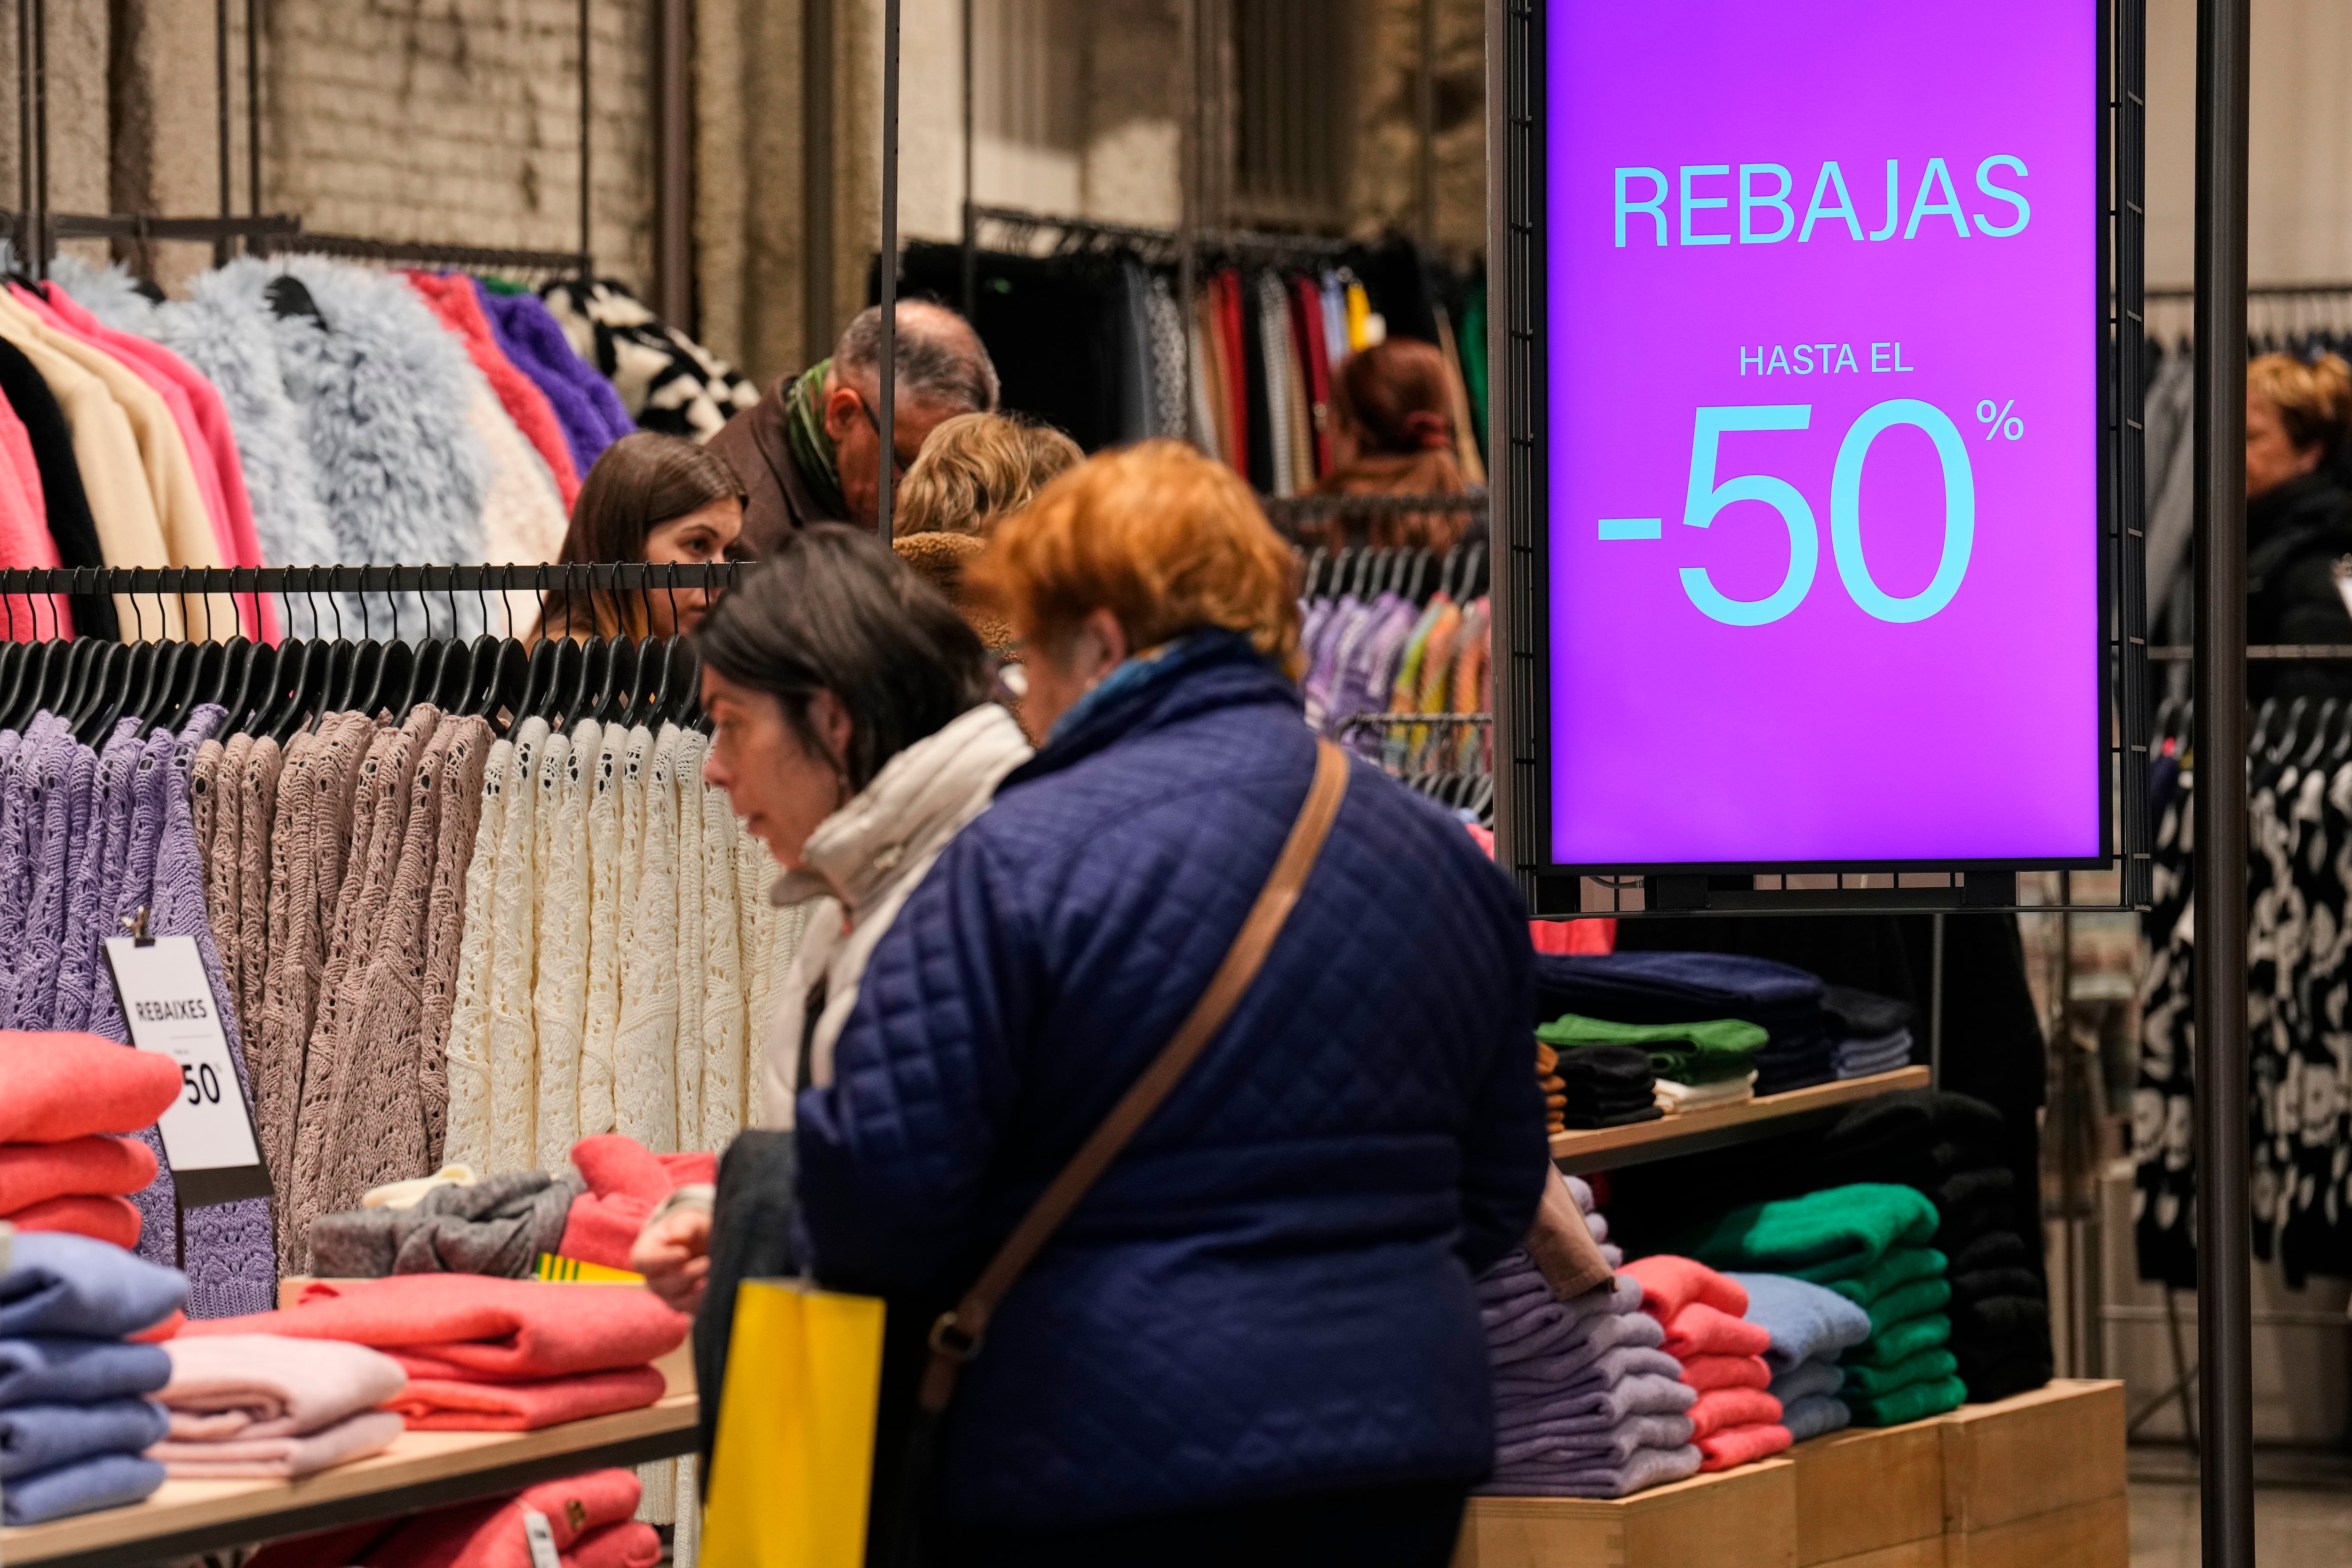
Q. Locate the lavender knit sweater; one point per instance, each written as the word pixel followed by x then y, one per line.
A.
pixel 586 406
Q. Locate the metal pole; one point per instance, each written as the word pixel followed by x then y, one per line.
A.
pixel 673 162
pixel 25 115
pixel 1188 281
pixel 253 106
pixel 1935 1006
pixel 36 211
pixel 586 134
pixel 971 225
pixel 224 110
pixel 2225 1462
pixel 886 417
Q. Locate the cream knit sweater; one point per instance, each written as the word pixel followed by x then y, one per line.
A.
pixel 465 762
pixel 514 943
pixel 601 977
pixel 687 963
pixel 468 1140
pixel 559 998
pixel 645 1056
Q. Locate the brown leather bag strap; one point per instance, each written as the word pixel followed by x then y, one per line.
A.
pixel 956 1337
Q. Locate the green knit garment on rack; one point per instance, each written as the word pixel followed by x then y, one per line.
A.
pixel 1899 1267
pixel 1834 1234
pixel 1901 1341
pixel 1687 1053
pixel 1877 1381
pixel 1915 1403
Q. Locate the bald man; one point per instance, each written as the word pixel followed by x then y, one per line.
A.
pixel 810 450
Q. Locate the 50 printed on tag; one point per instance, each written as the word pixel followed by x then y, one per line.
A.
pixel 208 1137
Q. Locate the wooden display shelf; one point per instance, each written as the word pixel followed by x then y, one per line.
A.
pixel 1718 1127
pixel 420 1470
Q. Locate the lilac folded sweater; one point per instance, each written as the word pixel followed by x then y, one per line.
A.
pixel 1646 1467
pixel 1600 1374
pixel 1612 1447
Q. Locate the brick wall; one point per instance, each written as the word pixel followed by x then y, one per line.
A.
pixel 459 121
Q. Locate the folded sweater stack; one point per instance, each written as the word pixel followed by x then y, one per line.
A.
pixel 1736 1420
pixel 1868 1242
pixel 60 1170
pixel 75 1420
pixel 1554 1087
pixel 1607 1085
pixel 1697 1064
pixel 1810 1327
pixel 1684 987
pixel 490 1355
pixel 1586 1404
pixel 1946 1147
pixel 1871 1034
pixel 588 1516
pixel 1595 1222
pixel 269 1406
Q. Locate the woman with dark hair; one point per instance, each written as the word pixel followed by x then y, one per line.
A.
pixel 655 499
pixel 1395 437
pixel 853 735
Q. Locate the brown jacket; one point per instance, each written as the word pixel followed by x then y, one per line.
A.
pixel 778 500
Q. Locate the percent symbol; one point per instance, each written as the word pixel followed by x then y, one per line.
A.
pixel 1999 422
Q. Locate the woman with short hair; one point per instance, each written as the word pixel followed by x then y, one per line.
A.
pixel 1256 1332
pixel 2298 518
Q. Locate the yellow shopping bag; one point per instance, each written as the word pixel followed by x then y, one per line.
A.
pixel 795 1459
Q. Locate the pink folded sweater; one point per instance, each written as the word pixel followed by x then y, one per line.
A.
pixel 439 1404
pixel 111 1220
pixel 271 1385
pixel 368 1432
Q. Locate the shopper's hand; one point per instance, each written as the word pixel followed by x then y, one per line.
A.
pixel 673 1255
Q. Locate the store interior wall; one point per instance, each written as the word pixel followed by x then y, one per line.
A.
pixel 2300 200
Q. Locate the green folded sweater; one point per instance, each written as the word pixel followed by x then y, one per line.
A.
pixel 1899 1267
pixel 1905 1303
pixel 1877 1381
pixel 1687 1053
pixel 1901 1341
pixel 1915 1403
pixel 1834 1234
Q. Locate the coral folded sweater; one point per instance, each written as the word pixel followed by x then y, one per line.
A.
pixel 66 1084
pixel 1723 1409
pixel 92 1166
pixel 1742 1445
pixel 488 1534
pixel 1705 1372
pixel 439 1404
pixel 474 1328
pixel 111 1220
pixel 1670 1284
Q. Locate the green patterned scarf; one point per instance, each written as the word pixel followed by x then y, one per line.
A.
pixel 812 448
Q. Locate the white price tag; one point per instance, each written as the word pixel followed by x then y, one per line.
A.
pixel 208 1133
pixel 542 1536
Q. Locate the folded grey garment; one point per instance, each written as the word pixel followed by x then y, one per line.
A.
pixel 1645 1469
pixel 1613 1446
pixel 1607 1385
pixel 1806 1379
pixel 1599 1372
pixel 1647 1394
pixel 1815 1416
pixel 1509 1326
pixel 498 1226
pixel 1613 1253
pixel 1579 1336
pixel 1566 1323
pixel 1582 1192
pixel 1500 1300
pixel 1597 1224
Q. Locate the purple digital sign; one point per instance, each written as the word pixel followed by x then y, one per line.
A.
pixel 1822 418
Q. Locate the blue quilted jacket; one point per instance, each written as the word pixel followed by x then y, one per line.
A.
pixel 1269 1293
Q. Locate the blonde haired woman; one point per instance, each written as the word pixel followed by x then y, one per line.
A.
pixel 2298 527
pixel 976 471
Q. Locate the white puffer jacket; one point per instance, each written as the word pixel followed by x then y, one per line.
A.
pixel 858 867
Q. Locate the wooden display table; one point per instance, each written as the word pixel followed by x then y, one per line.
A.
pixel 420 1470
pixel 1718 1127
pixel 2036 1481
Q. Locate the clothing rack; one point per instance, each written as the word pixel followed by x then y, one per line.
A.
pixel 1462 571
pixel 426 253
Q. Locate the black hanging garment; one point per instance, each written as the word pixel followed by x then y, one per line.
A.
pixel 70 525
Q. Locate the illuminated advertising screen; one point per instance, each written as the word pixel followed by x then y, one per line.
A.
pixel 1821 407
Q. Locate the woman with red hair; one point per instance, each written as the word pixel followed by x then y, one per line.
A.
pixel 1395 437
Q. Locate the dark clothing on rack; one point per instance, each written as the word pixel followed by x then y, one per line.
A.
pixel 780 498
pixel 2296 534
pixel 70 525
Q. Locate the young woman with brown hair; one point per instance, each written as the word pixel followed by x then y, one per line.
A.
pixel 655 499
